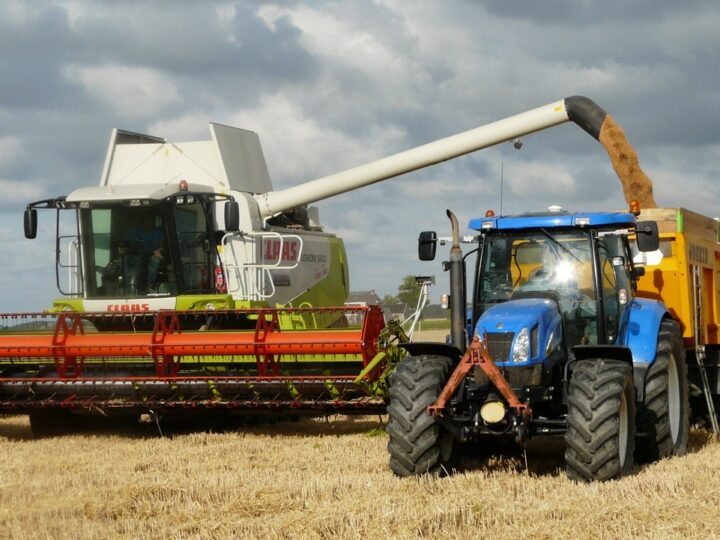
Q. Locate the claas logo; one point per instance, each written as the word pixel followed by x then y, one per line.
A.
pixel 275 250
pixel 128 308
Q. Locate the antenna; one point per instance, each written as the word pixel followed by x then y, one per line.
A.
pixel 502 164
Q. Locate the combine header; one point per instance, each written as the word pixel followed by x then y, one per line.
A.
pixel 61 360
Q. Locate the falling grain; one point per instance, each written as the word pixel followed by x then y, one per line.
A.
pixel 636 184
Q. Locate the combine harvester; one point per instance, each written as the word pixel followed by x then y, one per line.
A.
pixel 192 286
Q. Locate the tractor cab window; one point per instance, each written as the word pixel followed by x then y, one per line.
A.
pixel 125 252
pixel 537 263
pixel 616 284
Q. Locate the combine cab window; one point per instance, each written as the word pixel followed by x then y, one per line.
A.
pixel 150 250
pixel 125 252
pixel 197 254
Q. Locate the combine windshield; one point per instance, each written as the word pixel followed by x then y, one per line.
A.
pixel 151 250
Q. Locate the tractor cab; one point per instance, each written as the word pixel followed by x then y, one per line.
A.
pixel 549 282
pixel 551 287
pixel 554 271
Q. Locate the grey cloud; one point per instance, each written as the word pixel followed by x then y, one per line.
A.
pixel 586 12
pixel 193 41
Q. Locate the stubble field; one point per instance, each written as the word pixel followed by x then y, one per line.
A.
pixel 329 478
pixel 320 479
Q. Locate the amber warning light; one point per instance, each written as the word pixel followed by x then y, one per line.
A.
pixel 635 207
pixel 489 213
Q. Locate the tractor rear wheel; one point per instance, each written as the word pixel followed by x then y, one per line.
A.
pixel 599 440
pixel 663 416
pixel 418 444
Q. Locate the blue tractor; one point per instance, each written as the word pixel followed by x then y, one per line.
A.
pixel 554 343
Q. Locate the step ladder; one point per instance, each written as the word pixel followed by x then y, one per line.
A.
pixel 700 355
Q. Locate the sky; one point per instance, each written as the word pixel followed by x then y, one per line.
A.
pixel 332 85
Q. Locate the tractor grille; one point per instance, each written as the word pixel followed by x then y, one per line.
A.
pixel 499 344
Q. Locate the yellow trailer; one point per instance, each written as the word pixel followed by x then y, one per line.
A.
pixel 687 280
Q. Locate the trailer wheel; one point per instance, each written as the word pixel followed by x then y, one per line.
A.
pixel 663 417
pixel 599 440
pixel 417 443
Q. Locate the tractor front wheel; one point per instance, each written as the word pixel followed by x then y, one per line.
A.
pixel 418 444
pixel 599 440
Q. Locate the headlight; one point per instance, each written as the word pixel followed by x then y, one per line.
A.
pixel 521 349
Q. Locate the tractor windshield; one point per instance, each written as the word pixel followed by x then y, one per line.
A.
pixel 148 250
pixel 537 263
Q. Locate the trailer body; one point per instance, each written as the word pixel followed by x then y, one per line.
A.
pixel 687 280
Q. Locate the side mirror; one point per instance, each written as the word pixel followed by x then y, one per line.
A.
pixel 648 237
pixel 30 223
pixel 427 243
pixel 232 216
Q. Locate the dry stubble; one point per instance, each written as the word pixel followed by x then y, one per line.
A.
pixel 314 479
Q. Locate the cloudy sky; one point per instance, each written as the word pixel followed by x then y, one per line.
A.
pixel 331 85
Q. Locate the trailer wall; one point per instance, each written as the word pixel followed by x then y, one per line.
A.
pixel 687 279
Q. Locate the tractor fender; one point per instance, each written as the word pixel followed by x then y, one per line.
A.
pixel 643 327
pixel 609 352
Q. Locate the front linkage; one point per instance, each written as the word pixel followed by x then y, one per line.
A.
pixel 477 356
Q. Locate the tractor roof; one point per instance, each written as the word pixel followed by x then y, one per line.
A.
pixel 554 220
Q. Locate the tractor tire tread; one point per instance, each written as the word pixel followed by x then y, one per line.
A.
pixel 653 413
pixel 593 433
pixel 414 436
